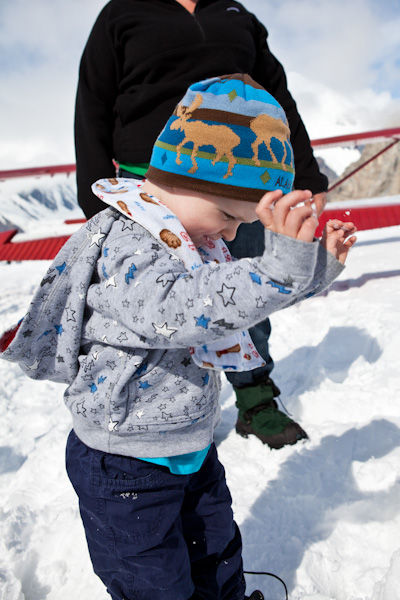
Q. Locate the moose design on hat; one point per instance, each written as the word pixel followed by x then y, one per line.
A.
pixel 225 120
pixel 201 134
pixel 224 139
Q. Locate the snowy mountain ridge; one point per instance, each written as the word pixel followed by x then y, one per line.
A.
pixel 25 203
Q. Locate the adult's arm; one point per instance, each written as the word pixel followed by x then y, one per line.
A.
pixel 270 73
pixel 94 113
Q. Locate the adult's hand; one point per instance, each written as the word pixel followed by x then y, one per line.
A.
pixel 320 201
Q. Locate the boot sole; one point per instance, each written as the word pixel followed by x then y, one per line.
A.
pixel 288 437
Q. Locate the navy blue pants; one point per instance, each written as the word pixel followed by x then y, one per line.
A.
pixel 249 242
pixel 153 535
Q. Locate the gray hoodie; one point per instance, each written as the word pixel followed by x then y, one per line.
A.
pixel 116 314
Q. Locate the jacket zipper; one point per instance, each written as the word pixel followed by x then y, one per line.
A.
pixel 201 30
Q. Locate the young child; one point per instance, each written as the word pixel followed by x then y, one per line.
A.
pixel 141 311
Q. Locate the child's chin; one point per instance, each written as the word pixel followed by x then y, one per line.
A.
pixel 203 239
pixel 199 240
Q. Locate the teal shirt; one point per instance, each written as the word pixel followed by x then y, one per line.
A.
pixel 183 464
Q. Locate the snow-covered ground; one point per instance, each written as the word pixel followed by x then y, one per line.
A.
pixel 323 515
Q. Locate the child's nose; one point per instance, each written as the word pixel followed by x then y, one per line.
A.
pixel 229 232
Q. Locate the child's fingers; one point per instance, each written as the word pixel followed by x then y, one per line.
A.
pixel 307 230
pixel 332 239
pixel 350 241
pixel 333 225
pixel 336 224
pixel 282 214
pixel 338 238
pixel 349 228
pixel 301 223
pixel 289 203
pixel 269 199
pixel 281 204
pixel 265 207
pixel 285 206
pixel 344 249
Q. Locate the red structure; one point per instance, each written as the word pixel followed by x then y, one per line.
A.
pixel 42 249
pixel 37 171
pixel 358 139
pixel 364 217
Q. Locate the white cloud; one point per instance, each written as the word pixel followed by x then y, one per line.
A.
pixel 327 112
pixel 342 60
pixel 337 43
pixel 39 73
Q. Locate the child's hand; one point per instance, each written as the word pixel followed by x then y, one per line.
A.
pixel 281 214
pixel 336 240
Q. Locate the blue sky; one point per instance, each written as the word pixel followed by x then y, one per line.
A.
pixel 342 59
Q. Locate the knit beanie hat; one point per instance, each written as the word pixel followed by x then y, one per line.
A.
pixel 227 137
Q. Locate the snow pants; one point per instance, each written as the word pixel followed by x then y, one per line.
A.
pixel 153 535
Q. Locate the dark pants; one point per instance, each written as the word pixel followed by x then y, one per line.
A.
pixel 153 535
pixel 249 242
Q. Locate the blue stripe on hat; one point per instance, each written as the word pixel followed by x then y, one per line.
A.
pixel 250 108
pixel 218 86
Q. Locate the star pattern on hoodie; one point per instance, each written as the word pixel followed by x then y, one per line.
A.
pixel 164 329
pixel 226 294
pixel 96 237
pixel 142 373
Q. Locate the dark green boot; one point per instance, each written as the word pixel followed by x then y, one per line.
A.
pixel 259 416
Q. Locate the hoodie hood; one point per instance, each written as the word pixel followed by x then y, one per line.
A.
pixel 53 324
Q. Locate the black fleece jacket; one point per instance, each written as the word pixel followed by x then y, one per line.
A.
pixel 140 58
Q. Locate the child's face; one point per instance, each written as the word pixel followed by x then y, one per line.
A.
pixel 206 216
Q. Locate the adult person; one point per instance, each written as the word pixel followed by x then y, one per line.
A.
pixel 140 58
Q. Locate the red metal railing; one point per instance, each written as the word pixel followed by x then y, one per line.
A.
pixel 367 217
pixel 352 139
pixel 37 171
pixel 357 139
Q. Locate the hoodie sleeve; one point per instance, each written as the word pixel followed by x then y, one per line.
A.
pixel 146 298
